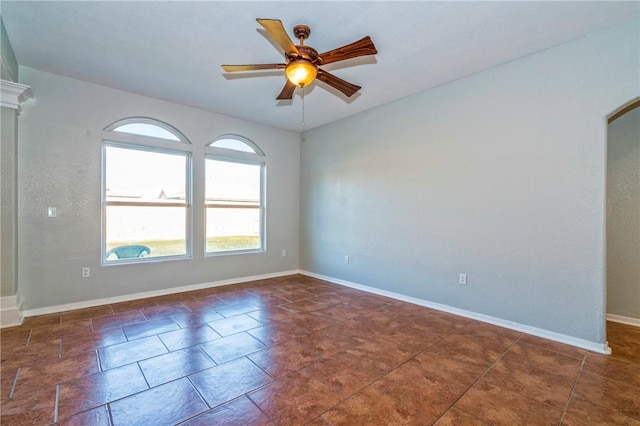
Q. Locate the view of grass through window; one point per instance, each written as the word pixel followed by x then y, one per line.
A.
pixel 170 247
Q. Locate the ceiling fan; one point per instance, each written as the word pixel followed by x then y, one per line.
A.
pixel 302 65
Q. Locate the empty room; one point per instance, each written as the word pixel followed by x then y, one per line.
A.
pixel 320 213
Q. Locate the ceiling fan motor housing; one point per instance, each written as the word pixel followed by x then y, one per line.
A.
pixel 309 53
pixel 301 31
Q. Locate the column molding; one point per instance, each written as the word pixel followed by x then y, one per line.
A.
pixel 10 311
pixel 13 94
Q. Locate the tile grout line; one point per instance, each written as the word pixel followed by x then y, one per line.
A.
pixel 478 379
pixel 275 379
pixel 262 369
pixel 109 414
pixel 188 377
pixel 344 399
pixel 109 402
pixel 322 419
pixel 256 404
pixel 575 383
pixel 55 409
pixel 97 352
pixel 186 307
pixel 15 383
pixel 137 363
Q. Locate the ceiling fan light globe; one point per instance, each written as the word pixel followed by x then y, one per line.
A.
pixel 301 72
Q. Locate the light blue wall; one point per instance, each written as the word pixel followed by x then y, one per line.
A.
pixel 499 175
pixel 59 164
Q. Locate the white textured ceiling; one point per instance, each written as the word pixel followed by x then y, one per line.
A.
pixel 173 50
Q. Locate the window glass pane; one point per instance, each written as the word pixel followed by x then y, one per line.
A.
pixel 234 144
pixel 234 205
pixel 147 129
pixel 141 231
pixel 233 183
pixel 146 203
pixel 233 229
pixel 144 176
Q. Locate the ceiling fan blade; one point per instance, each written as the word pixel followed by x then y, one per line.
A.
pixel 279 34
pixel 287 91
pixel 362 47
pixel 254 67
pixel 338 83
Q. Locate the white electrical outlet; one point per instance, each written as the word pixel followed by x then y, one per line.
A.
pixel 86 272
pixel 462 279
pixel 52 212
pixel 346 259
pixel 284 253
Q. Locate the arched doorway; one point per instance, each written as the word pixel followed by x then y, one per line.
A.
pixel 623 231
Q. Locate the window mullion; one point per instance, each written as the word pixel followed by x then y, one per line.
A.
pixel 233 206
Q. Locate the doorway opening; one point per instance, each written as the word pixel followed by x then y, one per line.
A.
pixel 623 232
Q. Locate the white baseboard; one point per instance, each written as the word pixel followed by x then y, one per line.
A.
pixel 13 306
pixel 546 334
pixel 154 293
pixel 624 320
pixel 10 311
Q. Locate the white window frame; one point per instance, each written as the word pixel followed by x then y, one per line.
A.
pixel 241 157
pixel 150 144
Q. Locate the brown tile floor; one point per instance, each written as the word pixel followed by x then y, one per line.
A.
pixel 296 350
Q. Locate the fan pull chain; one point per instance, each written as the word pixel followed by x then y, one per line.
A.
pixel 303 107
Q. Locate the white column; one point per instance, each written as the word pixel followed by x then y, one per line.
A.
pixel 11 96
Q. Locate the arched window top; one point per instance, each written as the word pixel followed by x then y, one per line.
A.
pixel 149 127
pixel 236 143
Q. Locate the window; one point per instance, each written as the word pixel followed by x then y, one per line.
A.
pixel 147 127
pixel 146 197
pixel 236 143
pixel 234 196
